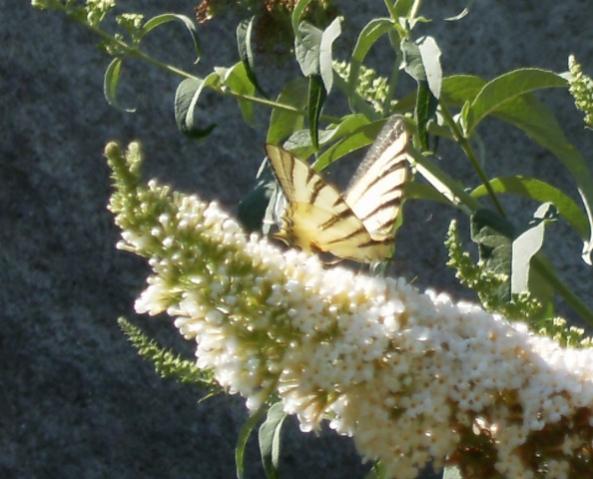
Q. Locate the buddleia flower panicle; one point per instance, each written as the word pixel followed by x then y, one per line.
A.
pixel 413 377
pixel 581 88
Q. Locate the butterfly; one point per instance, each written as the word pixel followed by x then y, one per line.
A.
pixel 358 225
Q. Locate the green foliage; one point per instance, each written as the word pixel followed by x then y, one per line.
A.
pixel 166 363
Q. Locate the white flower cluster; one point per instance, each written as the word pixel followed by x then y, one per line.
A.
pixel 412 377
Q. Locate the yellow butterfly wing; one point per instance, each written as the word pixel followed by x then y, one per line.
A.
pixel 317 217
pixel 376 193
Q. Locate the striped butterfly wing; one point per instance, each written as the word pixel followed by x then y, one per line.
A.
pixel 375 194
pixel 317 217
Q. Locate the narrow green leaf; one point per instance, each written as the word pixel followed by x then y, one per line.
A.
pixel 425 110
pixel 252 208
pixel 461 14
pixel 243 33
pixel 508 86
pixel 328 37
pixel 526 246
pixel 189 25
pixel 541 192
pixel 244 434
pixel 282 122
pixel 110 83
pixel 186 99
pixel 269 440
pixel 317 96
pixel 237 80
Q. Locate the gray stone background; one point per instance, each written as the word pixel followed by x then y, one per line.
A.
pixel 75 400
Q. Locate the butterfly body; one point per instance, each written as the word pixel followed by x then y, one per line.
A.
pixel 359 225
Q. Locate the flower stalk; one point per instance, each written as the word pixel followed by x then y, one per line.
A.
pixel 412 377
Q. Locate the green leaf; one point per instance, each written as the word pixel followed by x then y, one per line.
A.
pixel 110 83
pixel 461 14
pixel 537 121
pixel 300 142
pixel 307 43
pixel 313 50
pixel 252 208
pixel 494 236
pixel 526 245
pixel 186 99
pixel 458 89
pixel 368 36
pixel 541 192
pixel 330 34
pixel 282 122
pixel 237 80
pixel 243 33
pixel 269 440
pixel 452 472
pixel 402 8
pixel 190 26
pixel 378 471
pixel 496 93
pixel 412 60
pixel 297 13
pixel 359 138
pixel 431 60
pixel 244 434
pixel 425 110
pixel 316 100
pixel 423 191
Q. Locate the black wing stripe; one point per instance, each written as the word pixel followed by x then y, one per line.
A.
pixel 317 187
pixel 341 216
pixel 388 204
pixel 393 168
pixel 354 233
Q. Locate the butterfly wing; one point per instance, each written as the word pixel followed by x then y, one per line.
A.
pixel 376 192
pixel 317 218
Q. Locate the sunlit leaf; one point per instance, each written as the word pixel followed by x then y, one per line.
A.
pixel 110 84
pixel 526 246
pixel 237 80
pixel 189 25
pixel 243 33
pixel 244 434
pixel 269 440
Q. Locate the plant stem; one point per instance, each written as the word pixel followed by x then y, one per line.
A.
pixel 469 152
pixel 135 52
pixel 415 9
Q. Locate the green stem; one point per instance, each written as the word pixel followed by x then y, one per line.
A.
pixel 415 9
pixel 135 52
pixel 547 272
pixel 469 152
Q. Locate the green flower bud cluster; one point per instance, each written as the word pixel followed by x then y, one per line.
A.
pixel 522 307
pixel 370 86
pixel 581 88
